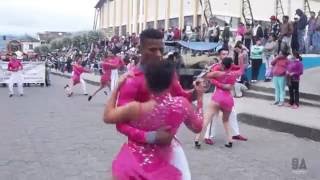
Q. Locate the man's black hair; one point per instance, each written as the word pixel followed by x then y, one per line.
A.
pixel 159 75
pixel 223 49
pixel 150 34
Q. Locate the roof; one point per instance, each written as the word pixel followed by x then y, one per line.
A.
pixel 28 38
pixel 49 35
pixel 99 4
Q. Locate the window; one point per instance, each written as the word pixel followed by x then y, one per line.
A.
pixel 30 46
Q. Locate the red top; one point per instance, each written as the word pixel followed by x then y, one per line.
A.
pixel 14 65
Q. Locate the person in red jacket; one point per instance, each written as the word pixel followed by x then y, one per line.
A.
pixel 15 67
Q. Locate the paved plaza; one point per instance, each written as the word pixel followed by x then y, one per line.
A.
pixel 48 136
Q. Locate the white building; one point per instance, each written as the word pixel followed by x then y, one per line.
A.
pixel 28 44
pixel 121 16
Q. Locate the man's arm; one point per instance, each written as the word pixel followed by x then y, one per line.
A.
pixel 177 90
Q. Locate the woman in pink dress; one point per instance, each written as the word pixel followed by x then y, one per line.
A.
pixel 137 160
pixel 76 78
pixel 107 66
pixel 222 99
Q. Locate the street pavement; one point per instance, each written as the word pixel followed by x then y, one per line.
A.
pixel 48 136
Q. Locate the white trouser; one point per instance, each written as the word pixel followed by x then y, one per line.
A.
pixel 114 79
pixel 179 160
pixel 238 88
pixel 83 86
pixel 16 77
pixel 211 130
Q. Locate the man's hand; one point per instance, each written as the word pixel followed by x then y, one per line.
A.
pixel 163 137
pixel 227 86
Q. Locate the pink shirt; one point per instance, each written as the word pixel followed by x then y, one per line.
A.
pixel 14 65
pixel 135 89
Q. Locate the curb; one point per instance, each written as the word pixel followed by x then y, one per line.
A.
pixel 272 124
pixel 270 97
pixel 68 76
pixel 271 90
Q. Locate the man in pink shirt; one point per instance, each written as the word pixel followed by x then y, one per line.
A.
pixel 135 89
pixel 15 67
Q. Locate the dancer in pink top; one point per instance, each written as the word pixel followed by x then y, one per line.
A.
pixel 136 159
pixel 107 65
pixel 135 89
pixel 76 78
pixel 222 99
pixel 15 67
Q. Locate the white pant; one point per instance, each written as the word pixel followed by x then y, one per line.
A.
pixel 180 161
pixel 83 85
pixel 16 77
pixel 114 79
pixel 238 88
pixel 233 120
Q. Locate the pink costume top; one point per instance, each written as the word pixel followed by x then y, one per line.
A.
pixel 107 66
pixel 77 71
pixel 138 160
pixel 117 61
pixel 241 30
pixel 224 97
pixel 14 65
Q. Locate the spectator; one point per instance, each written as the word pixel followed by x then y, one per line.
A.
pixel 176 34
pixel 275 26
pixel 302 23
pixel 266 33
pixel 240 32
pixel 316 40
pixel 248 37
pixel 318 20
pixel 279 70
pixel 311 30
pixel 269 52
pixel 257 32
pixel 294 71
pixel 214 32
pixel 226 35
pixel 294 39
pixel 256 60
pixel 286 30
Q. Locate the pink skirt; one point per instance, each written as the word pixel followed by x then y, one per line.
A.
pixel 224 99
pixel 126 166
pixel 105 79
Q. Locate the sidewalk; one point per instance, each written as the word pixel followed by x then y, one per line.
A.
pixel 302 122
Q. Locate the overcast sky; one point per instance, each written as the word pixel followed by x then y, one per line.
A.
pixel 32 16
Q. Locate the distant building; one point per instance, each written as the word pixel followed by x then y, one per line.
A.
pixel 28 44
pixel 122 16
pixel 47 36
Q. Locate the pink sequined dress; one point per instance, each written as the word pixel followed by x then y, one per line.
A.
pixel 139 160
pixel 224 97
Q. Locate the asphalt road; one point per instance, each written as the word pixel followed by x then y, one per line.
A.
pixel 45 135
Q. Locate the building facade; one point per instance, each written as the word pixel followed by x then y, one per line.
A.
pixel 122 16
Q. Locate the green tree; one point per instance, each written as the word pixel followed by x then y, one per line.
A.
pixel 76 41
pixel 66 42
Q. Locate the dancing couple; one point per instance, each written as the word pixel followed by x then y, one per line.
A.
pixel 150 107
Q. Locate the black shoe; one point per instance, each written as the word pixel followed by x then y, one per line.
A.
pixel 10 95
pixel 21 95
pixel 229 145
pixel 86 94
pixel 66 86
pixel 197 145
pixel 89 98
pixel 106 93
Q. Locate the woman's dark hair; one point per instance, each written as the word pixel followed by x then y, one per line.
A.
pixel 238 44
pixel 227 62
pixel 297 55
pixel 159 75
